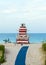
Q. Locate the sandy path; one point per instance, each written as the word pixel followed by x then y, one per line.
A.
pixel 33 57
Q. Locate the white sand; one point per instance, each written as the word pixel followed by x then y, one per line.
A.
pixel 34 54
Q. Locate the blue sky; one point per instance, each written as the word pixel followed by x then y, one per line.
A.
pixel 15 12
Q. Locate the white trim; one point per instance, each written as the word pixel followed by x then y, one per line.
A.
pixel 22 41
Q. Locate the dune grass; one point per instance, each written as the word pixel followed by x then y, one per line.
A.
pixel 44 50
pixel 2 51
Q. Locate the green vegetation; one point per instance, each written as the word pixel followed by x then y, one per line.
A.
pixel 7 40
pixel 44 50
pixel 44 47
pixel 2 51
pixel 45 62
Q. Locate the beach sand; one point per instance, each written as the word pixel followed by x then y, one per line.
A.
pixel 34 54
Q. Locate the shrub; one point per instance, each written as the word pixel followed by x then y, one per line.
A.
pixel 2 48
pixel 45 62
pixel 44 50
pixel 44 47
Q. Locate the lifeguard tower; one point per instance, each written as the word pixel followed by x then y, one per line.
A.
pixel 22 37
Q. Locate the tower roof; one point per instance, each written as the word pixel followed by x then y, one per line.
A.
pixel 22 26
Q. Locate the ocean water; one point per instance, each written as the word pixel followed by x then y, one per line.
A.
pixel 33 37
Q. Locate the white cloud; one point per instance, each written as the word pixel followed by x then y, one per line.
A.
pixel 37 1
pixel 8 11
pixel 27 11
pixel 40 17
pixel 38 9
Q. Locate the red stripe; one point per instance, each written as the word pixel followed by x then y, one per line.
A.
pixel 21 40
pixel 22 30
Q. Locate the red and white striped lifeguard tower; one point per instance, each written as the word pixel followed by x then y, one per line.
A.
pixel 22 37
